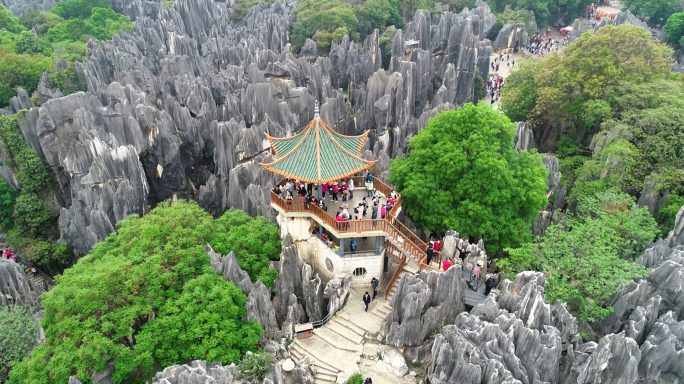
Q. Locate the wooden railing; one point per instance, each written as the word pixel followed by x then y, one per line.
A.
pixel 400 268
pixel 409 241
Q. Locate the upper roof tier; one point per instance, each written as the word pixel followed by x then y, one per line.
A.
pixel 318 154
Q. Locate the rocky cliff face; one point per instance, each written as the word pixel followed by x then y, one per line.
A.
pixel 515 337
pixel 15 286
pixel 179 105
pixel 421 304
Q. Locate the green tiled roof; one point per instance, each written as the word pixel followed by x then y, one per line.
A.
pixel 318 154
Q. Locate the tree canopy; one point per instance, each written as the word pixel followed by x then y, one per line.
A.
pixel 147 297
pixel 587 256
pixel 614 87
pixel 62 33
pixel 674 29
pixel 463 173
pixel 17 338
pixel 658 11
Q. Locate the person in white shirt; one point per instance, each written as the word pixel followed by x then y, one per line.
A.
pixel 350 188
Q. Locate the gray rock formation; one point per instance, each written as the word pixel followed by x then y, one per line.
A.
pixel 511 36
pixel 515 337
pixel 179 106
pixel 197 372
pixel 15 286
pixel 421 304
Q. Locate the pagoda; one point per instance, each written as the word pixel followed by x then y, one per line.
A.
pixel 318 154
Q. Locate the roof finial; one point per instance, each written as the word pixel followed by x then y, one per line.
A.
pixel 316 110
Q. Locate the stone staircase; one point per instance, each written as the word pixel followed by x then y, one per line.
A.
pixel 338 345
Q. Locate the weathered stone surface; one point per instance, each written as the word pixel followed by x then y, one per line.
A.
pixel 15 286
pixel 420 304
pixel 511 36
pixel 524 137
pixel 197 372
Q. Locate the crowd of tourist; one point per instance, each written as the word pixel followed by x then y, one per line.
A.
pixel 494 84
pixel 541 44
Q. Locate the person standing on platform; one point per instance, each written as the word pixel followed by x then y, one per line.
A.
pixel 375 283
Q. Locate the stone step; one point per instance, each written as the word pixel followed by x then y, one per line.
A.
pixel 324 377
pixel 321 353
pixel 320 366
pixel 383 309
pixel 342 319
pixel 378 315
pixel 339 338
pixel 344 332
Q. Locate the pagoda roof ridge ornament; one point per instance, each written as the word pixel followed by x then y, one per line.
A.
pixel 317 110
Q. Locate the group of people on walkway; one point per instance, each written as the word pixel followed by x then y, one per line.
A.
pixel 494 85
pixel 540 45
pixel 8 254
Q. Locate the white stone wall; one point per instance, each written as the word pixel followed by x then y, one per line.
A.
pixel 299 230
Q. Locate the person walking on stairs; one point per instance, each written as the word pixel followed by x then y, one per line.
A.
pixel 366 300
pixel 374 284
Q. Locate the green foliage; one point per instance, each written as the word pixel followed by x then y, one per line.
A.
pixel 31 216
pixel 578 85
pixel 478 87
pixel 490 190
pixel 17 338
pixel 256 366
pixel 256 243
pixel 355 379
pixel 67 80
pixel 542 9
pixel 102 25
pixel 43 21
pixel 205 320
pixel 674 29
pixel 586 256
pixel 29 169
pixel 144 298
pixel 9 22
pixel 386 40
pixel 45 253
pixel 7 198
pixel 668 213
pixel 30 43
pixel 373 14
pixel 168 4
pixel 77 9
pixel 513 17
pixel 241 7
pixel 326 17
pixel 658 11
pixel 19 71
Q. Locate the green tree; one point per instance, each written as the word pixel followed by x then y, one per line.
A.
pixel 386 40
pixel 77 9
pixel 17 338
pixel 658 11
pixel 19 71
pixel 322 15
pixel 9 22
pixel 205 320
pixel 39 19
pixel 373 14
pixel 30 43
pixel 668 213
pixel 255 241
pixel 674 29
pixel 31 216
pixel 142 298
pixel 395 18
pixel 577 86
pixel 7 198
pixel 490 190
pixel 586 256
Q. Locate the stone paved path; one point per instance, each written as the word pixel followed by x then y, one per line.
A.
pixel 348 341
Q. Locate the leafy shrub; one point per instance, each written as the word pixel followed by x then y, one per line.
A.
pixel 255 241
pixel 7 198
pixel 67 80
pixel 355 379
pixel 77 9
pixel 256 365
pixel 19 71
pixel 9 22
pixel 144 298
pixel 586 257
pixel 29 168
pixel 17 338
pixel 30 43
pixel 31 216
